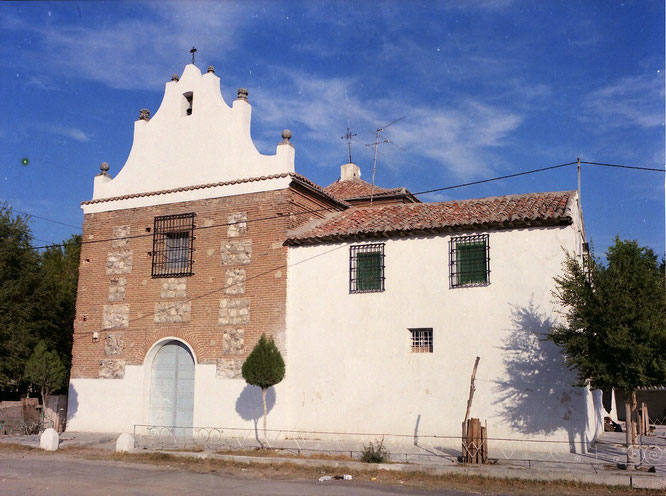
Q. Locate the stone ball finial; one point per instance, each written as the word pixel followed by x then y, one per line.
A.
pixel 175 77
pixel 286 136
pixel 211 69
pixel 242 94
pixel 104 167
pixel 144 114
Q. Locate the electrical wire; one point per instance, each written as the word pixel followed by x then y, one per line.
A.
pixel 329 209
pixel 621 166
pixel 222 288
pixel 46 219
pixel 507 176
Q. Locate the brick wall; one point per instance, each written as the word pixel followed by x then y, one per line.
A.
pixel 237 292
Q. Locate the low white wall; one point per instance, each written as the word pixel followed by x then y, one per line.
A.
pixel 116 405
pixel 105 405
pixel 350 367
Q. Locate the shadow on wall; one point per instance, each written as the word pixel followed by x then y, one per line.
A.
pixel 537 396
pixel 249 405
pixel 72 401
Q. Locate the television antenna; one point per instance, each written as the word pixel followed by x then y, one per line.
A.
pixel 348 136
pixel 376 144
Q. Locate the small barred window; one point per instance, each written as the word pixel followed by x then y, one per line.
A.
pixel 366 268
pixel 421 340
pixel 173 245
pixel 469 261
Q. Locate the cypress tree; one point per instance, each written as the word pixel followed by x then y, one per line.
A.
pixel 264 367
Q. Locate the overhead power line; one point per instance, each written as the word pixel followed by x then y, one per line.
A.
pixel 621 166
pixel 329 209
pixel 507 176
pixel 45 218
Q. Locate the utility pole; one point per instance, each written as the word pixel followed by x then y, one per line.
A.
pixel 578 170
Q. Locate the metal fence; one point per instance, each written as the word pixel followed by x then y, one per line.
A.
pixel 435 449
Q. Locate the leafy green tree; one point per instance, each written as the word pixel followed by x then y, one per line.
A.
pixel 45 370
pixel 264 367
pixel 19 279
pixel 37 298
pixel 56 296
pixel 615 319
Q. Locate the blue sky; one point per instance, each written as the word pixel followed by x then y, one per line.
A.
pixel 487 88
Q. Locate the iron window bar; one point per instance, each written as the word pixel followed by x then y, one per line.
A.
pixel 366 268
pixel 421 340
pixel 469 261
pixel 173 245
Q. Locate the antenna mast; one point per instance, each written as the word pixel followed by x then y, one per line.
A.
pixel 348 136
pixel 377 142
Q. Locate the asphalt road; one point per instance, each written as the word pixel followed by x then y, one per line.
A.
pixel 54 475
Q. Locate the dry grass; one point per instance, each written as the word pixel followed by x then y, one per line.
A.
pixel 421 480
pixel 291 471
pixel 266 452
pixel 15 447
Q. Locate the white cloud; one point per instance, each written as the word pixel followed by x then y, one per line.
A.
pixel 629 102
pixel 68 132
pixel 460 138
pixel 135 53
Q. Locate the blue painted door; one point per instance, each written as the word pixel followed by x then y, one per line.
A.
pixel 172 386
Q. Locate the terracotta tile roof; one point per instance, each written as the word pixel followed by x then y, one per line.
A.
pixel 534 209
pixel 296 177
pixel 355 188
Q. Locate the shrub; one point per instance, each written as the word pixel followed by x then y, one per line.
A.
pixel 375 452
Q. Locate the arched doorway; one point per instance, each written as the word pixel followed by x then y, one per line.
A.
pixel 172 386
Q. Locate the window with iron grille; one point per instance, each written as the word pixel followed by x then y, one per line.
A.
pixel 366 268
pixel 469 261
pixel 421 340
pixel 173 245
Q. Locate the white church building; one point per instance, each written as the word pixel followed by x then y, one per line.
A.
pixel 379 302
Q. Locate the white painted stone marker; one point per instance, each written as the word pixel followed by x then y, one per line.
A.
pixel 49 440
pixel 125 443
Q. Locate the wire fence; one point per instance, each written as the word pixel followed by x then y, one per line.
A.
pixel 403 448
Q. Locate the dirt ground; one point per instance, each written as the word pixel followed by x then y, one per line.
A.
pixel 385 481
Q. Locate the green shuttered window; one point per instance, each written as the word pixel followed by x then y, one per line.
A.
pixel 366 268
pixel 469 261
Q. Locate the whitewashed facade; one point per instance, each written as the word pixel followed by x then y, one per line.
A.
pixel 350 365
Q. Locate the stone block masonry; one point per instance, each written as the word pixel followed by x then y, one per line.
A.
pixel 176 311
pixel 229 368
pixel 115 316
pixel 119 262
pixel 117 292
pixel 234 311
pixel 120 234
pixel 236 252
pixel 235 281
pixel 233 341
pixel 174 287
pixel 237 224
pixel 117 289
pixel 112 369
pixel 114 344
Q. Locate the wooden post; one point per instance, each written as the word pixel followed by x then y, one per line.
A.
pixel 628 436
pixel 634 418
pixel 484 435
pixel 472 388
